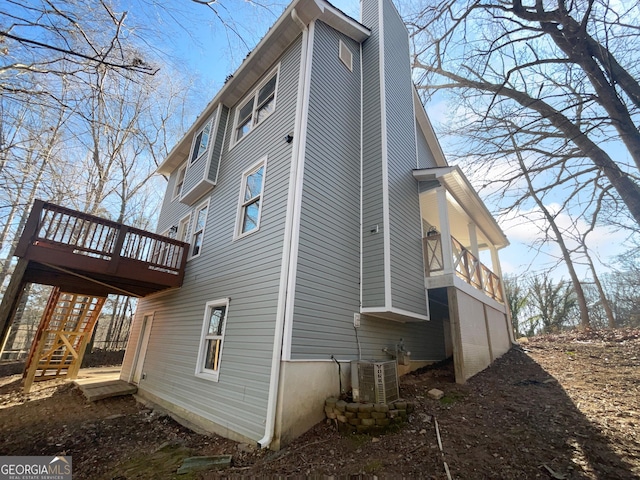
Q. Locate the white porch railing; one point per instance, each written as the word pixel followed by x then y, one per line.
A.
pixel 464 263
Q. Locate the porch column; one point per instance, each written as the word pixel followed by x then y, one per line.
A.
pixel 473 239
pixel 495 262
pixel 445 231
pixel 497 269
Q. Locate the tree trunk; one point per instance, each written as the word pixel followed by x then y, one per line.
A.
pixel 577 286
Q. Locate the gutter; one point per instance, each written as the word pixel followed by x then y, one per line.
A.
pixel 297 159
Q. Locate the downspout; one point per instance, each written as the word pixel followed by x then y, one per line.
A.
pixel 274 384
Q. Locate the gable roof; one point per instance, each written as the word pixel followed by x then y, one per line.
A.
pixel 262 57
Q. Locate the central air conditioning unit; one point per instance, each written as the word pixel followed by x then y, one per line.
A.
pixel 374 381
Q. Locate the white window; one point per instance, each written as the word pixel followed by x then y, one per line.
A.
pixel 250 204
pixel 197 234
pixel 177 188
pixel 345 55
pixel 210 351
pixel 201 142
pixel 253 110
pixel 183 228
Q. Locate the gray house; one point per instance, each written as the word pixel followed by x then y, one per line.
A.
pixel 324 225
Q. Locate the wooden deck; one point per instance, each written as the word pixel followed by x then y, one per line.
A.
pixel 76 252
pixel 89 255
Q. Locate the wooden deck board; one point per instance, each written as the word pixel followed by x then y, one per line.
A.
pixel 99 390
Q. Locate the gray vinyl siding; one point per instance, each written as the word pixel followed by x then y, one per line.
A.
pixel 425 156
pixel 327 289
pixel 407 273
pixel 425 340
pixel 197 170
pixel 246 270
pixel 373 286
pixel 172 209
pixel 218 144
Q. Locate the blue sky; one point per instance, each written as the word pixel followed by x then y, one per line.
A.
pixel 210 53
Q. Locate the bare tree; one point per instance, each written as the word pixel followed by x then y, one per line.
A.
pixel 566 68
pixel 517 299
pixel 554 303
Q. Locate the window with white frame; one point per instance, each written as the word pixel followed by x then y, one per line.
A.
pixel 197 234
pixel 201 142
pixel 183 228
pixel 253 110
pixel 177 188
pixel 211 338
pixel 250 205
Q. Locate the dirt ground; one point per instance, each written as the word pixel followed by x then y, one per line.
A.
pixel 562 407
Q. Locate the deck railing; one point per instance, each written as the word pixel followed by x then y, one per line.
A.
pixel 83 234
pixel 464 263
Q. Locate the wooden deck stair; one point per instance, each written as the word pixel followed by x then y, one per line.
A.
pixel 64 331
pixel 91 256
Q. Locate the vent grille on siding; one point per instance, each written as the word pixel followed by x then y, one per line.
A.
pixel 375 382
pixel 346 56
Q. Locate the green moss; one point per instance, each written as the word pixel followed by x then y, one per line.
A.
pixel 373 467
pixel 451 398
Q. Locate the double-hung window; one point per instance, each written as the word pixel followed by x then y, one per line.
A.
pixel 177 188
pixel 253 110
pixel 201 142
pixel 250 205
pixel 210 351
pixel 199 223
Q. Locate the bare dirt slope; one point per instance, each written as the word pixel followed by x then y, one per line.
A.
pixel 562 407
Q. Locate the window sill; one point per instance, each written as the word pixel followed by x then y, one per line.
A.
pixel 211 376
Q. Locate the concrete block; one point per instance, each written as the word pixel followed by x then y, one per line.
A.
pixel 381 407
pixel 378 415
pixel 342 419
pixel 383 421
pixel 368 421
pixel 198 464
pixel 341 406
pixel 355 421
pixel 366 407
pixel 364 415
pixel 331 402
pixel 353 407
pixel 435 394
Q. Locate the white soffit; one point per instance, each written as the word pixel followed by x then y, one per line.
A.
pixel 459 188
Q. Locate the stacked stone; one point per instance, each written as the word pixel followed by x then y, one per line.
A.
pixel 367 417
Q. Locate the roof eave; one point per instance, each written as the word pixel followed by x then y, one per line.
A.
pixel 261 58
pixel 472 203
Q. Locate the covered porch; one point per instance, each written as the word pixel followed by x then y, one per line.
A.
pixel 458 233
pixel 462 269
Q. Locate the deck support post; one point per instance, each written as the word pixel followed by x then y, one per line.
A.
pixel 11 300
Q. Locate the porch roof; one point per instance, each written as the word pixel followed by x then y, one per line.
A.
pixel 460 188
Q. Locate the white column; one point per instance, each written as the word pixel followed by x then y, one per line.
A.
pixel 495 262
pixel 445 230
pixel 473 240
